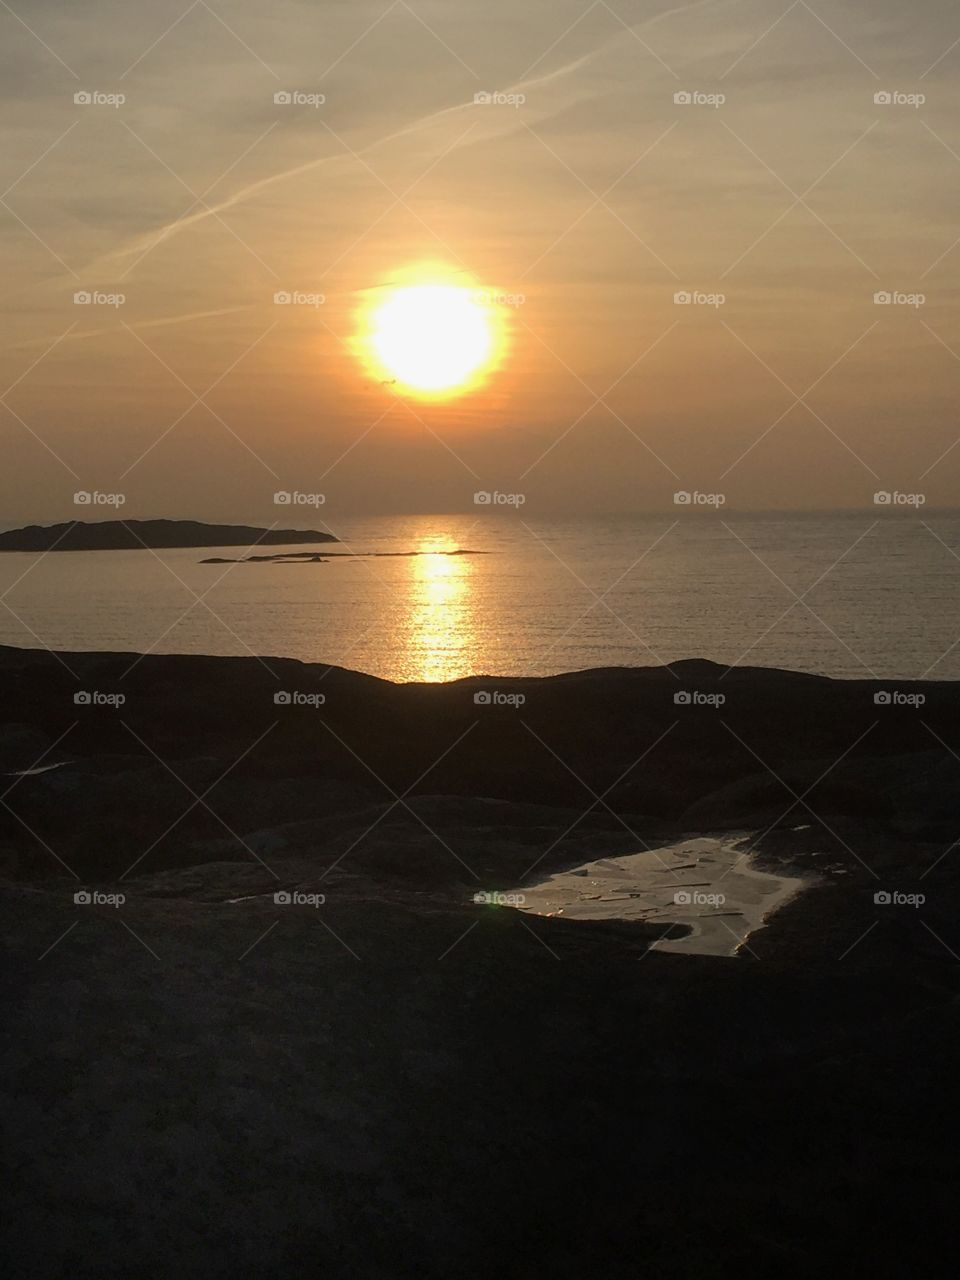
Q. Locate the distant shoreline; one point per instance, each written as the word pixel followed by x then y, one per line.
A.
pixel 133 535
pixel 321 557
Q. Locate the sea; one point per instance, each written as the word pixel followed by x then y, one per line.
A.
pixel 872 594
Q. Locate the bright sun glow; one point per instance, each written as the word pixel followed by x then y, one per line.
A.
pixel 432 339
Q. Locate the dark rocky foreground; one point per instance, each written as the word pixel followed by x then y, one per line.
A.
pixel 398 1082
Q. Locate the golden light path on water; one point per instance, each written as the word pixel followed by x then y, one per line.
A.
pixel 440 626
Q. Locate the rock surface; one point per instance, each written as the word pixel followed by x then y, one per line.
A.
pixel 394 1081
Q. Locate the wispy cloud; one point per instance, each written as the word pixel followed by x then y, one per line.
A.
pixel 116 328
pixel 497 124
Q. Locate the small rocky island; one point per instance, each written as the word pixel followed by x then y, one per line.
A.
pixel 131 535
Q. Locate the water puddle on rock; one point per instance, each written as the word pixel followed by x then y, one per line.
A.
pixel 706 883
pixel 36 770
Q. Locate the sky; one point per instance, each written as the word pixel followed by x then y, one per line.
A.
pixel 780 164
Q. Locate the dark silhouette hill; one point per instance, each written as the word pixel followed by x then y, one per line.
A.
pixel 128 535
pixel 212 1081
pixel 656 743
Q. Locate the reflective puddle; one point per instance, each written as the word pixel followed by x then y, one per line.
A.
pixel 705 883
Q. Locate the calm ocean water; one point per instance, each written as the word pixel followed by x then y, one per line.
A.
pixel 843 595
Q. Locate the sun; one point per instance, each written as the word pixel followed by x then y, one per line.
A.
pixel 432 338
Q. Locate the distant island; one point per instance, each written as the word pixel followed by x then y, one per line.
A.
pixel 316 557
pixel 129 535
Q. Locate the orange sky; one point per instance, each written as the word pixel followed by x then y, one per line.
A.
pixel 783 188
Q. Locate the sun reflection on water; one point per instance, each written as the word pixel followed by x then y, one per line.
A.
pixel 441 635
